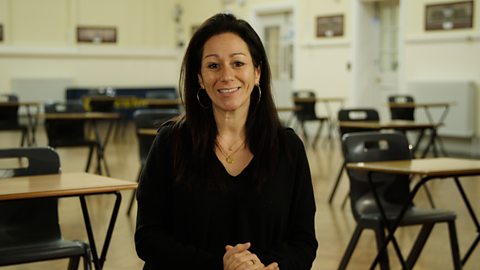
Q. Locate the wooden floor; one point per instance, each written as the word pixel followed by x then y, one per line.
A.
pixel 333 224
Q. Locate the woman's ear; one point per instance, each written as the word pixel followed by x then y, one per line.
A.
pixel 258 73
pixel 200 81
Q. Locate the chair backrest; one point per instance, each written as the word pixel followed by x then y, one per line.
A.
pixel 356 114
pixel 9 114
pixel 29 221
pixel 62 131
pixel 402 113
pixel 305 100
pixel 102 104
pixel 150 118
pixel 393 189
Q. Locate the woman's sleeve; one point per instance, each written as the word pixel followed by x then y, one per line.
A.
pixel 153 236
pixel 299 250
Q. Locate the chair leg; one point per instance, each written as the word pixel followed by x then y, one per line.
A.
pixel 317 135
pixel 380 238
pixel 419 244
pixel 73 263
pixel 429 195
pixel 335 185
pixel 351 246
pixel 344 202
pixel 452 231
pixel 304 130
pixel 24 139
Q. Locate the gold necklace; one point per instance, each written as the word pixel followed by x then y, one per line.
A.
pixel 229 157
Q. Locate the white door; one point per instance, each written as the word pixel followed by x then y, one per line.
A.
pixel 377 50
pixel 387 58
pixel 276 32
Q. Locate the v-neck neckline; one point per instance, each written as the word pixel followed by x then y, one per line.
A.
pixel 242 172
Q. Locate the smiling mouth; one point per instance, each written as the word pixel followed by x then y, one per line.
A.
pixel 228 90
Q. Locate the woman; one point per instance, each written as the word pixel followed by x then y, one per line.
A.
pixel 226 186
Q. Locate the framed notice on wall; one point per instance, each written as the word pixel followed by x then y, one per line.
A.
pixel 1 32
pixel 95 34
pixel 330 26
pixel 446 16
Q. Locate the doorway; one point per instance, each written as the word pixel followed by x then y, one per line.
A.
pixel 376 52
pixel 276 29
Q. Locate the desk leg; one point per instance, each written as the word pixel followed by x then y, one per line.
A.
pixel 98 262
pixel 101 148
pixel 431 144
pixel 31 131
pixel 417 143
pixel 474 218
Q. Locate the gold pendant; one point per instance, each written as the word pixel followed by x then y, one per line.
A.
pixel 229 160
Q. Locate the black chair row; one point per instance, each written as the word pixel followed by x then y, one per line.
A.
pixel 10 121
pixel 69 132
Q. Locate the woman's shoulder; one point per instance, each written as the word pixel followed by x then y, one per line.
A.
pixel 292 141
pixel 291 136
pixel 170 128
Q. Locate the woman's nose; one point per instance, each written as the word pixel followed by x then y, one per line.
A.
pixel 227 73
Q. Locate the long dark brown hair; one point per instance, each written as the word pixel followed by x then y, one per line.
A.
pixel 196 131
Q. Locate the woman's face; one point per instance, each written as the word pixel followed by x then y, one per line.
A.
pixel 227 72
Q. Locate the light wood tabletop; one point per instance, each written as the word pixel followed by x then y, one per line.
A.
pixel 394 124
pixel 419 105
pixel 157 101
pixel 147 131
pixel 320 99
pixel 60 185
pixel 432 167
pixel 85 115
pixel 19 103
pixel 288 108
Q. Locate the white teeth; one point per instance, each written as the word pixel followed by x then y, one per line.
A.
pixel 227 90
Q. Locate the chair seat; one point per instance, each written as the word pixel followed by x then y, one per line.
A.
pixel 414 216
pixel 45 251
pixel 367 209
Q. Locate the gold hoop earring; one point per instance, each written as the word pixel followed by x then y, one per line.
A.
pixel 199 102
pixel 259 94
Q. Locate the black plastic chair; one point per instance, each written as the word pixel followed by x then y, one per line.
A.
pixel 101 103
pixel 148 119
pixel 29 229
pixel 393 192
pixel 306 101
pixel 353 114
pixel 9 119
pixel 68 132
pixel 401 113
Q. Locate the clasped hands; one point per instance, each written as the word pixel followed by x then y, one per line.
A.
pixel 238 257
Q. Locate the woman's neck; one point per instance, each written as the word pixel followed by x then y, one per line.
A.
pixel 231 125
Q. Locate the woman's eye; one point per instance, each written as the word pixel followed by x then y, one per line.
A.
pixel 212 66
pixel 238 64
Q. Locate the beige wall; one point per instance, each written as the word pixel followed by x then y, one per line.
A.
pixel 40 42
pixel 321 63
pixel 452 55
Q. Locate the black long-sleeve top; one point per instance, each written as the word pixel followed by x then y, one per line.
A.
pixel 183 228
